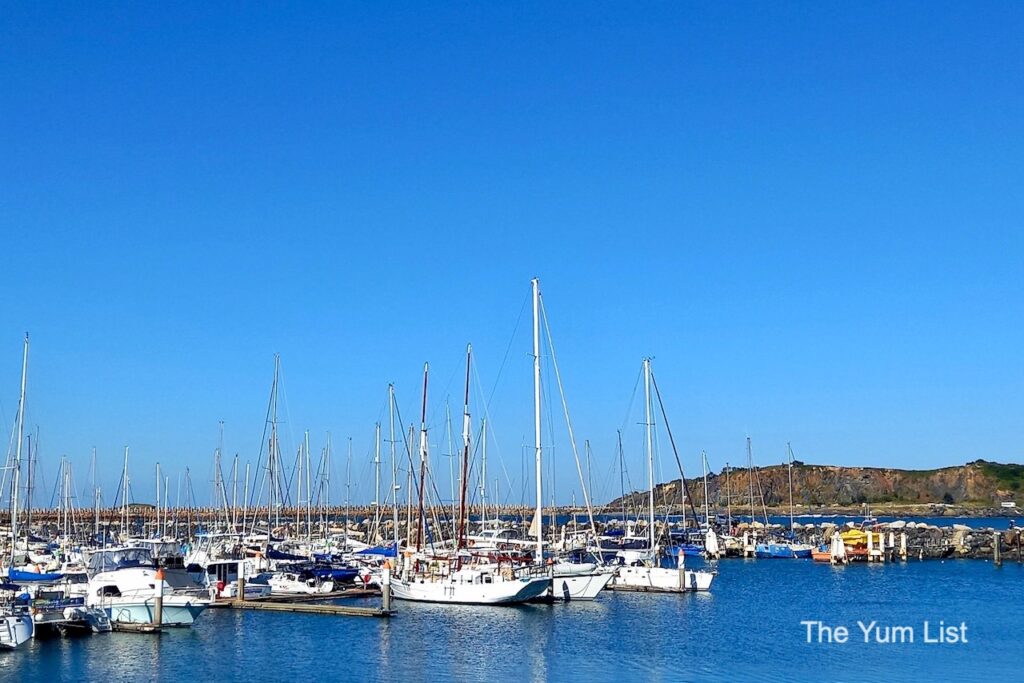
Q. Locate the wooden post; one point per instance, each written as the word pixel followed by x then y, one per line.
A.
pixel 241 581
pixel 1018 546
pixel 385 586
pixel 996 542
pixel 903 546
pixel 158 599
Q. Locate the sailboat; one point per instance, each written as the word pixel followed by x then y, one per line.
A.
pixel 16 624
pixel 639 569
pixel 569 580
pixel 460 577
pixel 785 549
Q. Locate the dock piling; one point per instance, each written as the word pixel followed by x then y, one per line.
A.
pixel 158 599
pixel 385 587
pixel 996 543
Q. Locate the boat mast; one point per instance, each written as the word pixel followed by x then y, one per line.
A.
pixel 309 495
pixel 30 485
pixel 728 497
pixel 272 457
pixel 421 523
pixel 156 508
pixel 789 452
pixel 483 471
pixel 394 465
pixel 376 482
pixel 124 496
pixel 536 418
pixel 467 427
pixel 750 476
pixel 348 487
pixel 650 448
pixel 17 451
pixel 707 506
pixel 95 496
pixel 622 477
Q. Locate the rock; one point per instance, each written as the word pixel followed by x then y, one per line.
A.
pixel 898 524
pixel 961 527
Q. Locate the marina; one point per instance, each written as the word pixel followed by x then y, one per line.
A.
pixel 429 342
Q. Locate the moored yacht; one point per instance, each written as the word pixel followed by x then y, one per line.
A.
pixel 124 583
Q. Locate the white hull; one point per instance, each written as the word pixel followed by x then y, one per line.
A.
pixel 15 630
pixel 662 580
pixel 497 592
pixel 581 586
pixel 177 611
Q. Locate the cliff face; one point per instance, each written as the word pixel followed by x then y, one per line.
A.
pixel 978 482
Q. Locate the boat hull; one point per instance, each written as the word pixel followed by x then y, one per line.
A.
pixel 176 612
pixel 580 586
pixel 15 630
pixel 499 592
pixel 661 579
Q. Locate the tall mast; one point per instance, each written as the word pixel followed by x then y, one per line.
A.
pixel 394 465
pixel 95 496
pixel 483 470
pixel 409 488
pixel 309 495
pixel 421 524
pixel 707 505
pixel 728 497
pixel 272 457
pixel 467 427
pixel 650 448
pixel 156 508
pixel 750 477
pixel 622 476
pixel 30 486
pixel 17 451
pixel 234 494
pixel 348 487
pixel 536 418
pixel 789 452
pixel 327 477
pixel 376 482
pixel 124 496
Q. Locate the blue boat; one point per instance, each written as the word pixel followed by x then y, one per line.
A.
pixel 782 551
pixel 18 576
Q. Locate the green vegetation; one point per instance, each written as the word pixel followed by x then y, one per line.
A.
pixel 1006 476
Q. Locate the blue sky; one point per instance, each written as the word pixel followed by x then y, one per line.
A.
pixel 809 215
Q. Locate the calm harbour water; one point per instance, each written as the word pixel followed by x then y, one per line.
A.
pixel 748 628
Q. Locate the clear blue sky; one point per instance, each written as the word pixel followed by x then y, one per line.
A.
pixel 810 215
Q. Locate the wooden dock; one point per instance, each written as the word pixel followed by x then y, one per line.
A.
pixel 317 597
pixel 308 608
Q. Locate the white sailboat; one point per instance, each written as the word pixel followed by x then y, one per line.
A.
pixel 16 624
pixel 569 580
pixel 639 569
pixel 461 578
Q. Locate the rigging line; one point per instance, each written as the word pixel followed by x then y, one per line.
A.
pixel 568 421
pixel 672 441
pixel 508 348
pixel 263 439
pixel 493 436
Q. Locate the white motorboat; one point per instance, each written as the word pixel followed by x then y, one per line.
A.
pixel 124 583
pixel 297 583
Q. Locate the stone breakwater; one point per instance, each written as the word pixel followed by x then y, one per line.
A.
pixel 923 541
